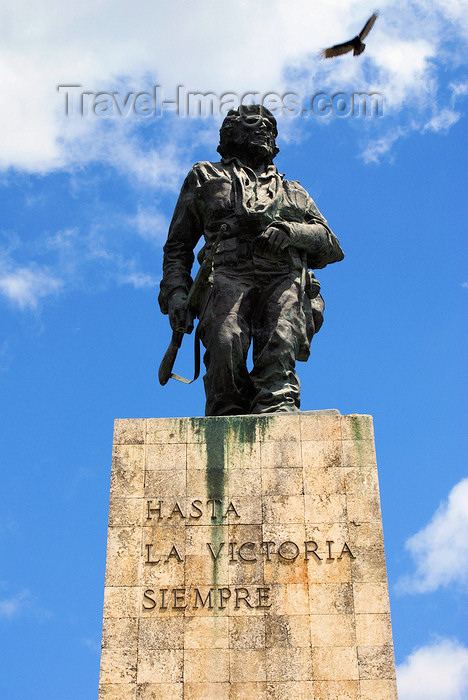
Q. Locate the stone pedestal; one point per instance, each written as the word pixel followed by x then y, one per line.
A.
pixel 246 561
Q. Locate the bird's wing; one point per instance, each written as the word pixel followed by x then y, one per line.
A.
pixel 368 26
pixel 337 50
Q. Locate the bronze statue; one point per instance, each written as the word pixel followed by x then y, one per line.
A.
pixel 263 235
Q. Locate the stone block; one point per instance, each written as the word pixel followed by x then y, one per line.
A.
pixel 198 539
pixel 334 663
pixel 283 509
pixel 248 691
pixel 322 454
pixel 128 477
pixel 369 565
pixel 166 634
pixel 165 484
pixel 357 427
pixel 118 666
pixel 337 690
pixel 333 630
pixel 160 666
pixel 289 598
pixel 205 665
pixel 329 571
pixel 250 509
pixel 359 453
pixel 247 633
pixel 299 690
pixel 160 691
pixel 281 455
pixel 287 631
pixel 123 548
pixel 205 570
pixel 129 431
pixel 321 427
pixel 246 573
pixel 288 664
pixel 284 481
pixel 121 601
pixel 376 662
pixel 120 633
pixel 170 456
pixel 378 689
pixel 280 428
pixel 373 630
pixel 118 691
pixel 247 665
pixel 364 510
pixel 200 456
pixel 162 431
pixel 324 480
pixel 371 597
pixel 325 508
pixel 286 572
pixel 126 511
pixel 243 482
pixel 365 535
pixel 206 632
pixel 206 691
pixel 331 598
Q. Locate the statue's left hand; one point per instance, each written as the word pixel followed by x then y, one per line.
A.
pixel 276 239
pixel 178 312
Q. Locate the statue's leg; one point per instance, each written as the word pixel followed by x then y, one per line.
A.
pixel 278 327
pixel 225 333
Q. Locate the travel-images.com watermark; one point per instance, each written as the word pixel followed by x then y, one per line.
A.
pixel 83 103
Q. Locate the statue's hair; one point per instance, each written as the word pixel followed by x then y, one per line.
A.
pixel 228 144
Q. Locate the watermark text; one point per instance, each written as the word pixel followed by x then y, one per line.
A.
pixel 184 103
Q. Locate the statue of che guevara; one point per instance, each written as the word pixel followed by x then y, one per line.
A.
pixel 263 237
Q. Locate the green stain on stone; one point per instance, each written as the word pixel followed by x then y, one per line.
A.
pixel 361 433
pixel 213 433
pixel 243 429
pixel 216 467
pixel 356 428
pixel 224 436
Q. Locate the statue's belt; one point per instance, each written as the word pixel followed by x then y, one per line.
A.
pixel 241 248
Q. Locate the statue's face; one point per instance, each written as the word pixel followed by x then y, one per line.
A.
pixel 254 133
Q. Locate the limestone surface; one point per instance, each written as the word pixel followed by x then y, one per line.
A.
pixel 246 560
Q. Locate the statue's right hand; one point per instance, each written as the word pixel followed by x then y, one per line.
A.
pixel 177 310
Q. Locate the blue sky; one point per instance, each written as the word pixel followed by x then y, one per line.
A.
pixel 85 205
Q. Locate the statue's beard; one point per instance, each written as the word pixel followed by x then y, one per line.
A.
pixel 256 152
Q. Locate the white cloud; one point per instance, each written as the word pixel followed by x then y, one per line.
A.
pixel 117 145
pixel 139 280
pixel 14 605
pixel 438 671
pixel 22 604
pixel 100 256
pixel 404 70
pixel 24 286
pixel 108 44
pixel 150 225
pixel 440 549
pixel 443 120
pixel 377 148
pixel 458 89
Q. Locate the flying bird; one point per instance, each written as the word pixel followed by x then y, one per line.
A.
pixel 355 45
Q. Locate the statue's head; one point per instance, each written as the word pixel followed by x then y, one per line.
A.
pixel 249 130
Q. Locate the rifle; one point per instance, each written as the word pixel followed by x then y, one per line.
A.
pixel 193 303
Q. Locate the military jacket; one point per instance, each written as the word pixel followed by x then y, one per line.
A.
pixel 230 193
